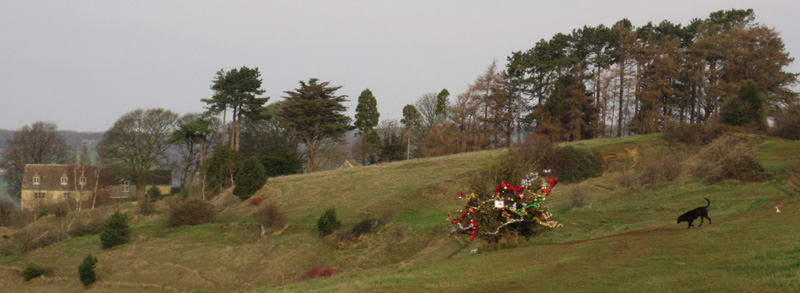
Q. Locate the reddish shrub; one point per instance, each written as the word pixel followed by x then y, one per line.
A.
pixel 316 273
pixel 328 272
pixel 312 273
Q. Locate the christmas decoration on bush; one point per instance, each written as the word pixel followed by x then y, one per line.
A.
pixel 512 209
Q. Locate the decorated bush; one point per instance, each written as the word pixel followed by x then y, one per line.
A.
pixel 511 210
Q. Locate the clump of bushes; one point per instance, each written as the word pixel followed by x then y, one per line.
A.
pixel 32 271
pixel 697 134
pixel 117 231
pixel 328 222
pixel 86 270
pixel 568 164
pixel 732 157
pixel 192 212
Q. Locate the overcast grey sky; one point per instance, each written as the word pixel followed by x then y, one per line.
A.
pixel 83 64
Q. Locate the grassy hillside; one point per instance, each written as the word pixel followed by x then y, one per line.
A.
pixel 623 238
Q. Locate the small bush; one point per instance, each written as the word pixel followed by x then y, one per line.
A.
pixel 61 211
pixel 328 222
pixel 32 271
pixel 43 212
pixel 86 270
pixel 576 197
pixel 363 227
pixel 91 224
pixel 655 169
pixel 744 167
pixel 153 193
pixel 692 134
pixel 192 212
pixel 627 179
pixel 117 231
pixel 270 216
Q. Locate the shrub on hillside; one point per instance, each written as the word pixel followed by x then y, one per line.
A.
pixel 91 223
pixel 153 193
pixel 32 271
pixel 86 270
pixel 692 134
pixel 576 196
pixel 363 227
pixel 250 178
pixel 269 216
pixel 743 167
pixel 117 231
pixel 192 212
pixel 328 222
pixel 655 169
pixel 568 164
pixel 315 272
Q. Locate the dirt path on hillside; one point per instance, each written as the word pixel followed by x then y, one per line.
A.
pixel 790 181
pixel 629 233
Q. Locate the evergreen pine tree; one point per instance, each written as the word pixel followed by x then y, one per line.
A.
pixel 328 222
pixel 250 178
pixel 86 270
pixel 117 232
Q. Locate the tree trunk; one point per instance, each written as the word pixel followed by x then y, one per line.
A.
pixel 310 143
pixel 621 94
pixel 408 146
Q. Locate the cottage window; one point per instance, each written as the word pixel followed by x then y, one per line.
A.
pixel 38 195
pixel 83 180
pixel 37 180
pixel 65 195
pixel 64 180
pixel 126 186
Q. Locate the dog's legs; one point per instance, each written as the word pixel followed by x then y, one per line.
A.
pixel 701 222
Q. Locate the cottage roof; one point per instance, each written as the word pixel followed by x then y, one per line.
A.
pixel 50 176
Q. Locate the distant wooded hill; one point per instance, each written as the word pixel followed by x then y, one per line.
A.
pixel 74 139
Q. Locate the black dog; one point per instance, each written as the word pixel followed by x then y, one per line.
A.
pixel 692 215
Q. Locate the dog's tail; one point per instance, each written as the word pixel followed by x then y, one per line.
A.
pixel 709 202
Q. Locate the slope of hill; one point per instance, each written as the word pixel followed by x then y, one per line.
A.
pixel 623 238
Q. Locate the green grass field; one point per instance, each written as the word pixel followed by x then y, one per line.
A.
pixel 624 239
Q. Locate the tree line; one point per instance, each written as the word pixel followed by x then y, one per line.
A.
pixel 593 82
